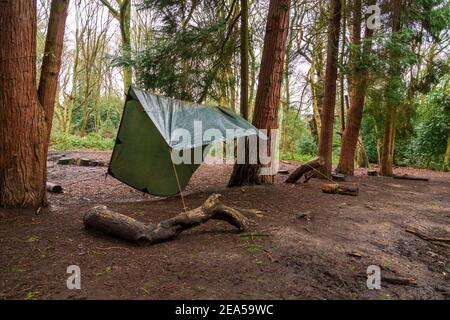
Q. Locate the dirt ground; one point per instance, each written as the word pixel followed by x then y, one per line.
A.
pixel 322 256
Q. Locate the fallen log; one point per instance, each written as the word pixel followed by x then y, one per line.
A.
pixel 122 226
pixel 304 169
pixel 427 238
pixel 408 177
pixel 400 281
pixel 54 188
pixel 331 188
pixel 338 177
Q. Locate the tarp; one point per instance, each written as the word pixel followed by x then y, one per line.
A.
pixel 150 129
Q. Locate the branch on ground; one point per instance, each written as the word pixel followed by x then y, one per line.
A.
pixel 124 227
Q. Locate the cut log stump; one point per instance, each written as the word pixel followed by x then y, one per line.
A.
pixel 54 188
pixel 85 162
pixel 304 169
pixel 122 226
pixel 350 190
pixel 68 161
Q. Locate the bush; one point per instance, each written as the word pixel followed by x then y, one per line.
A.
pixel 61 141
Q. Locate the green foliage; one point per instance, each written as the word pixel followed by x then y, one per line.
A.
pixel 432 128
pixel 104 117
pixel 60 141
pixel 188 60
pixel 297 142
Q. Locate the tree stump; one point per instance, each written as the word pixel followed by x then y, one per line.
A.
pixel 121 226
pixel 85 162
pixel 351 190
pixel 68 161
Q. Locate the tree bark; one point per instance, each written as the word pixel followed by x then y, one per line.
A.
pixel 244 59
pixel 269 88
pixel 358 89
pixel 329 102
pixel 23 129
pixel 118 225
pixel 387 157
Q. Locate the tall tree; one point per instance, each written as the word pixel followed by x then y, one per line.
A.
pixel 267 100
pixel 22 119
pixel 329 101
pixel 358 87
pixel 51 65
pixel 387 157
pixel 244 59
pixel 123 15
pixel 24 122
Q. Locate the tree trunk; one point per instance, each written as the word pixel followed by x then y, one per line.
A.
pixel 23 130
pixel 51 65
pixel 447 156
pixel 358 88
pixel 329 102
pixel 387 157
pixel 118 225
pixel 361 155
pixel 123 16
pixel 269 88
pixel 342 74
pixel 244 59
pixel 125 26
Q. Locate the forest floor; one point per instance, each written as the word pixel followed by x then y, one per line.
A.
pixel 310 245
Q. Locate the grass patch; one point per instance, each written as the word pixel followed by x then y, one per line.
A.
pixel 61 141
pixel 253 249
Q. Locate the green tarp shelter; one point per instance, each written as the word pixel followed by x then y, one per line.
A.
pixel 148 133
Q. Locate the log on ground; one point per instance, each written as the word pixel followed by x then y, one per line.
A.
pixel 304 169
pixel 347 190
pixel 54 188
pixel 408 177
pixel 122 226
pixel 338 177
